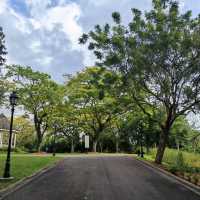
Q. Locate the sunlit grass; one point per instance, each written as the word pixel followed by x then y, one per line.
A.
pixel 24 165
pixel 170 156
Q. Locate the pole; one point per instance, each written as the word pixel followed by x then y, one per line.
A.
pixel 54 144
pixel 7 166
pixel 141 143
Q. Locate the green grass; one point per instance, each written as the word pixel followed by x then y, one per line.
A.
pixel 170 157
pixel 23 165
pixel 183 164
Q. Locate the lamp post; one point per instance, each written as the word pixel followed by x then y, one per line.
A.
pixel 13 103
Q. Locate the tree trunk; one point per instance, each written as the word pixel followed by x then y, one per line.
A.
pixel 147 148
pixel 117 146
pixel 178 145
pixel 162 144
pixel 72 145
pixel 101 147
pixel 147 142
pixel 95 146
pixel 39 140
pixel 38 133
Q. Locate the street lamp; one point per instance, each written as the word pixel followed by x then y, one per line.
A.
pixel 13 103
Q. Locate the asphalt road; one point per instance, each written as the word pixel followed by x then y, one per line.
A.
pixel 102 178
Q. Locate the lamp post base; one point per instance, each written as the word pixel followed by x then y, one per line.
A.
pixel 6 179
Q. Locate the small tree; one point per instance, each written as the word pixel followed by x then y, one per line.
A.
pixel 26 137
pixel 159 55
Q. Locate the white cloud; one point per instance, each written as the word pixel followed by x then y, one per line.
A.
pixel 67 16
pixel 46 38
pixel 37 7
pixel 99 3
pixel 45 34
pixel 36 46
pixel 47 17
pixel 3 5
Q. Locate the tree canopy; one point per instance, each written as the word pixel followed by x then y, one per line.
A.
pixel 159 54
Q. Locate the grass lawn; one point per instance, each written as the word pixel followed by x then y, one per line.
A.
pixel 170 157
pixel 188 169
pixel 23 165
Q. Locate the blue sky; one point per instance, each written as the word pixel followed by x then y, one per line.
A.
pixel 44 33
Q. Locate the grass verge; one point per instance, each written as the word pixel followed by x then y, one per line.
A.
pixel 183 164
pixel 24 165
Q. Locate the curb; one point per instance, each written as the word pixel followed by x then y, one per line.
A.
pixel 174 178
pixel 19 184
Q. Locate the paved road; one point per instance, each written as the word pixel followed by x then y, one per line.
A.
pixel 102 178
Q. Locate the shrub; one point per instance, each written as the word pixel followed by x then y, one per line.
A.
pixel 180 162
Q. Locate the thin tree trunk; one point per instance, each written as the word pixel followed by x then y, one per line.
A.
pixel 177 145
pixel 95 146
pixel 147 148
pixel 72 145
pixel 101 147
pixel 162 145
pixel 117 146
pixel 147 143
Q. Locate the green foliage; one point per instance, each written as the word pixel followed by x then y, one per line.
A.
pixel 93 93
pixel 26 137
pixel 2 47
pixel 180 164
pixel 37 93
pixel 180 160
pixel 3 82
pixel 158 54
pixel 61 144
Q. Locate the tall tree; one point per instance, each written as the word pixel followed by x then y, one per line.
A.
pixel 37 93
pixel 2 47
pixel 3 82
pixel 65 121
pixel 159 54
pixel 93 92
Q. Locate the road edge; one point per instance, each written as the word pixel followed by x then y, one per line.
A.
pixel 19 184
pixel 174 178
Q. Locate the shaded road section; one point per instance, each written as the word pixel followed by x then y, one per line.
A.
pixel 102 178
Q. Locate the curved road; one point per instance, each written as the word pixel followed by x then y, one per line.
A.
pixel 102 178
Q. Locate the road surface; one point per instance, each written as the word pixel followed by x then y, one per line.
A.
pixel 102 178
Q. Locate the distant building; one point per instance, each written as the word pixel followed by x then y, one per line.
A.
pixel 4 132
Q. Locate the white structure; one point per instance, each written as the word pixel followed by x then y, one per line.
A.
pixel 4 139
pixel 4 132
pixel 87 142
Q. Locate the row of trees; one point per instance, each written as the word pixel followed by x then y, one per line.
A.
pixel 146 80
pixel 158 54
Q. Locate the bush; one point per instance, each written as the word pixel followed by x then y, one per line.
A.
pixel 16 150
pixel 180 162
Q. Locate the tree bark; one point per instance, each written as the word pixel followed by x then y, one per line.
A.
pixel 94 146
pixel 162 145
pixel 101 147
pixel 38 133
pixel 117 146
pixel 39 139
pixel 72 145
pixel 147 148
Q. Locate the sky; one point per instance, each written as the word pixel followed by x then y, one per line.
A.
pixel 44 34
